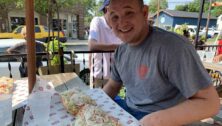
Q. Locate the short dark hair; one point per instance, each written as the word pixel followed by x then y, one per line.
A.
pixel 141 2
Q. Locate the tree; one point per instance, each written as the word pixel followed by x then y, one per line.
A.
pixel 90 7
pixel 5 7
pixel 154 3
pixel 216 11
pixel 194 6
pixel 182 7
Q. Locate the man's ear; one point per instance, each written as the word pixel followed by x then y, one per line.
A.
pixel 146 11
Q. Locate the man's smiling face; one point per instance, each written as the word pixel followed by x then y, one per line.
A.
pixel 128 19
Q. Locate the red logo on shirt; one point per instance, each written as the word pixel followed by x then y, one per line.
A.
pixel 142 71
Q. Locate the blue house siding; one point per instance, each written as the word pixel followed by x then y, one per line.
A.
pixel 193 21
pixel 168 20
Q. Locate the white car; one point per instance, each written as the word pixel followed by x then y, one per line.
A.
pixel 211 32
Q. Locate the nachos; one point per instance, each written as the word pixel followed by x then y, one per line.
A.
pixel 94 116
pixel 73 100
pixel 6 85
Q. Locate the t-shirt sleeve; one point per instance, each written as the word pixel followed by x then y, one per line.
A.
pixel 186 71
pixel 114 71
pixel 94 29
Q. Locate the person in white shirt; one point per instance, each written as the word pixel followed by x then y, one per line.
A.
pixel 101 38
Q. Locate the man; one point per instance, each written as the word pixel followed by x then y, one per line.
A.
pixel 22 48
pixel 166 83
pixel 101 38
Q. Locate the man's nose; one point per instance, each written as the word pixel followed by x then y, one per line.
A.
pixel 123 22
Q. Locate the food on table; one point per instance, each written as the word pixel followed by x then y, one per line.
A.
pixel 6 85
pixel 94 116
pixel 73 100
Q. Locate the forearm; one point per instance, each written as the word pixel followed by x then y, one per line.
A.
pixel 101 46
pixel 90 56
pixel 194 109
pixel 104 47
pixel 112 88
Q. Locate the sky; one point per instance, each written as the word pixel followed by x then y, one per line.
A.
pixel 172 3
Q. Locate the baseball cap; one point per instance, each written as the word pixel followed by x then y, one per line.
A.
pixel 105 3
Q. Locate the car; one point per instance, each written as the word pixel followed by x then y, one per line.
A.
pixel 41 34
pixel 211 32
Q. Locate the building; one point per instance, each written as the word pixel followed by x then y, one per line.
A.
pixel 72 21
pixel 168 19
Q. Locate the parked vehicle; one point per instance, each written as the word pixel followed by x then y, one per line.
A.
pixel 41 34
pixel 192 29
pixel 211 32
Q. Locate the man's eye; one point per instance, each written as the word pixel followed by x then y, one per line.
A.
pixel 114 18
pixel 129 13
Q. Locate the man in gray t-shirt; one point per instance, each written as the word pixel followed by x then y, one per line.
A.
pixel 166 83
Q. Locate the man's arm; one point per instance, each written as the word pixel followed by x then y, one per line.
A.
pixel 205 103
pixel 112 88
pixel 94 45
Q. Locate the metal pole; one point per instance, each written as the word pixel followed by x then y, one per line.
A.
pixel 199 22
pixel 208 20
pixel 158 11
pixel 30 39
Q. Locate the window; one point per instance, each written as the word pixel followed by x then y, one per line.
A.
pixel 37 30
pixel 19 30
pixel 46 29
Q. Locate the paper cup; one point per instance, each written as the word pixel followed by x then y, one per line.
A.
pixel 6 109
pixel 201 54
pixel 39 103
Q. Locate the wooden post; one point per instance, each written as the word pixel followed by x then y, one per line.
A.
pixel 208 20
pixel 30 38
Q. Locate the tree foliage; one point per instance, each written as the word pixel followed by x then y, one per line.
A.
pixel 194 6
pixel 154 3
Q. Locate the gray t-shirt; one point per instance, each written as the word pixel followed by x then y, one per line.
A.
pixel 161 72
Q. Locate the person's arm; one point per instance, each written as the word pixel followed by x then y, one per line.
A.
pixel 90 62
pixel 112 88
pixel 204 104
pixel 94 45
pixel 16 48
pixel 217 58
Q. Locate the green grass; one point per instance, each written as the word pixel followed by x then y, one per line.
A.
pixel 211 41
